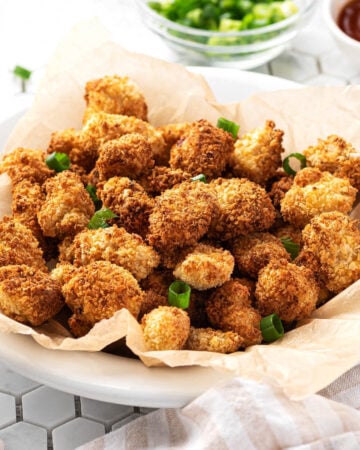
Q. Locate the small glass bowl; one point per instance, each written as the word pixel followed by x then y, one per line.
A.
pixel 241 49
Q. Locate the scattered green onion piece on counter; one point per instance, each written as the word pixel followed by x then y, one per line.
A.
pixel 229 126
pixel 271 328
pixel 92 192
pixel 179 294
pixel 58 161
pixel 286 163
pixel 200 177
pixel 290 246
pixel 99 219
pixel 22 73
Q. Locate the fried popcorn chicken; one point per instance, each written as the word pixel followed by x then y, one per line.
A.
pixel 333 155
pixel 205 267
pixel 286 230
pixel 210 340
pixel 63 272
pixel 315 192
pixel 171 134
pixel 287 290
pixel 166 328
pixel 26 164
pixel 19 246
pixel 181 216
pixel 162 178
pixel 257 154
pixel 68 207
pixel 244 207
pixel 151 301
pixel 255 251
pixel 203 149
pixel 229 309
pixel 158 281
pixel 332 249
pixel 279 188
pixel 127 156
pixel 115 245
pixel 129 201
pixel 96 291
pixel 102 127
pixel 29 295
pixel 115 95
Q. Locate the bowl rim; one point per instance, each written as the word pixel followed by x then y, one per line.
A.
pixel 306 7
pixel 334 27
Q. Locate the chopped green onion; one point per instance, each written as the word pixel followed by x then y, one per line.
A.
pixel 92 192
pixel 99 219
pixel 58 161
pixel 200 177
pixel 22 73
pixel 179 294
pixel 271 328
pixel 229 126
pixel 290 246
pixel 286 163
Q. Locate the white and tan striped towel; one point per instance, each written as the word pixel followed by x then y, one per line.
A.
pixel 246 415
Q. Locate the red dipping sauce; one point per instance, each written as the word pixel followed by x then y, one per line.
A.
pixel 349 19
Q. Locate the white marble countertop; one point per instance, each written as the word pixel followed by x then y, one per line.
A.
pixel 36 417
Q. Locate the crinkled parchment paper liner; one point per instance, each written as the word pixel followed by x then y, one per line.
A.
pixel 307 358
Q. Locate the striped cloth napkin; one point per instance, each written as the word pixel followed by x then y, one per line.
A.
pixel 247 415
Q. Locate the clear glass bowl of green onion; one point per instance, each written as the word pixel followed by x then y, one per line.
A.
pixel 227 33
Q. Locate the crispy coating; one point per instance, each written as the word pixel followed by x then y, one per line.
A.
pixel 128 200
pixel 287 230
pixel 279 188
pixel 332 244
pixel 151 301
pixel 158 281
pixel 102 127
pixel 26 164
pixel 314 192
pixel 63 272
pixel 287 290
pixel 171 133
pixel 210 340
pixel 181 216
pixel 162 178
pixel 244 207
pixel 166 328
pixel 68 207
pixel 205 267
pixel 229 309
pixel 19 246
pixel 128 156
pixel 97 291
pixel 255 251
pixel 257 154
pixel 115 95
pixel 203 149
pixel 29 295
pixel 117 246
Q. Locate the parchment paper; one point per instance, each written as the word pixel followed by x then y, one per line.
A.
pixel 307 358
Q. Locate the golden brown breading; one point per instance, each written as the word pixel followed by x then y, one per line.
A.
pixel 171 133
pixel 151 301
pixel 279 188
pixel 63 272
pixel 286 230
pixel 203 149
pixel 29 295
pixel 129 201
pixel 181 216
pixel 115 245
pixel 115 95
pixel 166 328
pixel 158 281
pixel 205 267
pixel 332 248
pixel 255 251
pixel 26 164
pixel 287 290
pixel 68 207
pixel 314 192
pixel 102 127
pixel 251 285
pixel 162 178
pixel 257 154
pixel 229 309
pixel 96 291
pixel 244 207
pixel 127 156
pixel 19 246
pixel 210 340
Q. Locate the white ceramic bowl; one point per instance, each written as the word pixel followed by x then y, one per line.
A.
pixel 351 47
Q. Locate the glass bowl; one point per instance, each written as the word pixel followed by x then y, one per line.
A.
pixel 241 49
